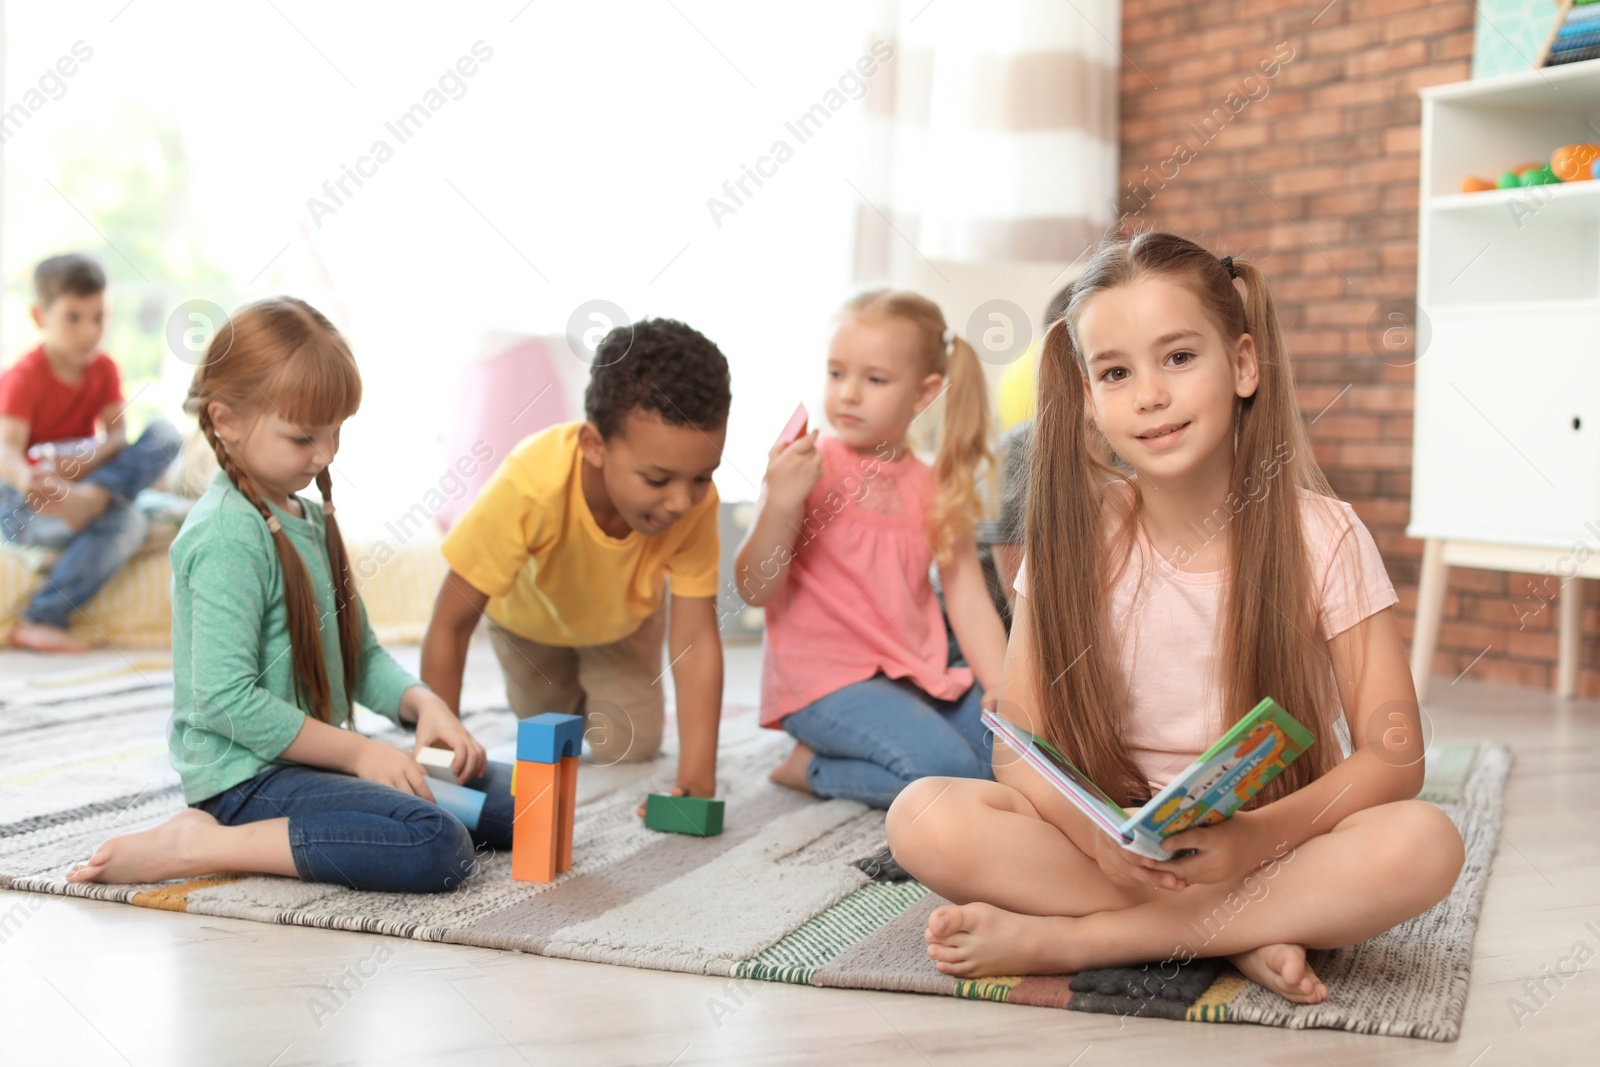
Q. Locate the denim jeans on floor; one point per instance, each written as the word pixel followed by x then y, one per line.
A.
pixel 352 832
pixel 874 738
pixel 98 551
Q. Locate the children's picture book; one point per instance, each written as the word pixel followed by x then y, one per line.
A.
pixel 1213 787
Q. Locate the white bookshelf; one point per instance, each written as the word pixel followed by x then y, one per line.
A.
pixel 1506 446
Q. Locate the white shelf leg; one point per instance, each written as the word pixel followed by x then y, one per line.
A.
pixel 1430 608
pixel 1570 644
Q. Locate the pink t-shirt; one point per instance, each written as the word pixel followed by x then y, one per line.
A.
pixel 1165 620
pixel 857 601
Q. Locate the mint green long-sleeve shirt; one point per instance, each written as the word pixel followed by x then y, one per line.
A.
pixel 234 706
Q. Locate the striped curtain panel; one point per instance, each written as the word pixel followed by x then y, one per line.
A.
pixel 991 134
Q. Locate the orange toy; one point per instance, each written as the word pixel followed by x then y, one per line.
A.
pixel 1572 162
pixel 541 843
pixel 544 784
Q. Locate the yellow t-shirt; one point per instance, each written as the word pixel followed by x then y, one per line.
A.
pixel 530 541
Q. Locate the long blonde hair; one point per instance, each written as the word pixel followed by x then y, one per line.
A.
pixel 1269 610
pixel 284 354
pixel 964 435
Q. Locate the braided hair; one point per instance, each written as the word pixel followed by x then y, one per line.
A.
pixel 285 354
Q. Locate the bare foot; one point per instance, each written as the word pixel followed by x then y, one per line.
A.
pixel 1282 969
pixel 153 855
pixel 981 940
pixel 792 771
pixel 39 637
pixel 81 505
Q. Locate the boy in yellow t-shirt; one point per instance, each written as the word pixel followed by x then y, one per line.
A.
pixel 570 549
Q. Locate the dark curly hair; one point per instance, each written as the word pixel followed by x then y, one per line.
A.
pixel 659 365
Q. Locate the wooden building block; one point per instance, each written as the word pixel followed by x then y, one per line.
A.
pixel 697 816
pixel 549 737
pixel 566 806
pixel 536 826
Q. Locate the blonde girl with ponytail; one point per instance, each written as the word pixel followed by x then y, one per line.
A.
pixel 858 665
pixel 271 647
pixel 1159 601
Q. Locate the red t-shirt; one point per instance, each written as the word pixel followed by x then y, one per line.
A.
pixel 54 410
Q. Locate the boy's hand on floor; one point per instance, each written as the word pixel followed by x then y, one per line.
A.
pixel 387 765
pixel 439 727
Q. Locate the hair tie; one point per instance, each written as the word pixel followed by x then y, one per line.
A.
pixel 327 507
pixel 948 337
pixel 274 525
pixel 1227 265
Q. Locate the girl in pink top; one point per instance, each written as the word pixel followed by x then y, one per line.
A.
pixel 858 665
pixel 1155 609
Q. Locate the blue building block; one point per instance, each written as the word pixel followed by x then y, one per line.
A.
pixel 548 737
pixel 465 804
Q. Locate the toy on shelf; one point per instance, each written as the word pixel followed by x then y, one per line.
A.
pixel 1575 36
pixel 1541 175
pixel 1511 179
pixel 696 816
pixel 1575 162
pixel 544 784
pixel 1569 163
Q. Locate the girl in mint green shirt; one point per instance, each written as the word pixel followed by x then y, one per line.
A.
pixel 271 646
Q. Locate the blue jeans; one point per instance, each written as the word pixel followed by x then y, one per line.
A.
pixel 874 738
pixel 96 552
pixel 352 832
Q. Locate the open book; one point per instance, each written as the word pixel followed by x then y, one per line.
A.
pixel 1209 790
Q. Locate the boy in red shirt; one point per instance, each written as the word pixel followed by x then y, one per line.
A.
pixel 76 491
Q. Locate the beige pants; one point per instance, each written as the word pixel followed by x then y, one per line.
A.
pixel 617 688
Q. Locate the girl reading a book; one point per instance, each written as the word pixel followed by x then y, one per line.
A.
pixel 1159 601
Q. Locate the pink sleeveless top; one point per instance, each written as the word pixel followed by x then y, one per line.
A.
pixel 858 601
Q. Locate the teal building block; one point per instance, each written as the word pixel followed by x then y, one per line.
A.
pixel 548 737
pixel 696 816
pixel 465 804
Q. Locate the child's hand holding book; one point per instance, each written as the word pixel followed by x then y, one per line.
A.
pixel 1131 870
pixel 1222 852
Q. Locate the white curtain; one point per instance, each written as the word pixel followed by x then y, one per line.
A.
pixel 992 136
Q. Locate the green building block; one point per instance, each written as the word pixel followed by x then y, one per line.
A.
pixel 696 816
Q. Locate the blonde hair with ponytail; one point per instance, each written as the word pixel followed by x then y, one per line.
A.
pixel 964 434
pixel 1268 617
pixel 284 355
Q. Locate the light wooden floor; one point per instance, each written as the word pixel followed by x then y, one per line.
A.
pixel 85 982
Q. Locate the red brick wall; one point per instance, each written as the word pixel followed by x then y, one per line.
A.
pixel 1312 172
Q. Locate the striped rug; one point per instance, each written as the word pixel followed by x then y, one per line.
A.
pixel 777 897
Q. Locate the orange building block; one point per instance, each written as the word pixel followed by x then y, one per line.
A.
pixel 568 805
pixel 535 831
pixel 546 797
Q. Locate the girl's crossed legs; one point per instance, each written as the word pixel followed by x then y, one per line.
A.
pixel 319 826
pixel 1030 901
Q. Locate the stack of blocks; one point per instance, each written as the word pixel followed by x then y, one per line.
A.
pixel 545 786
